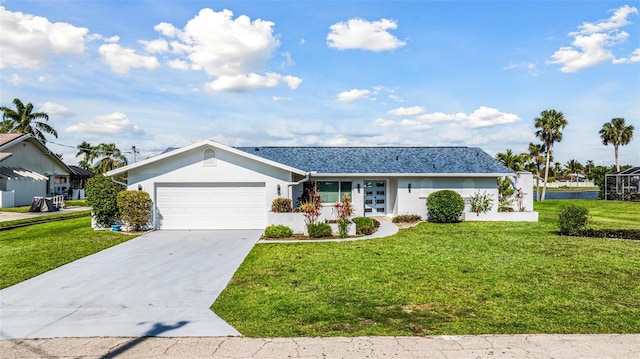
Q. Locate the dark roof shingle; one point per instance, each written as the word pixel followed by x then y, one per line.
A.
pixel 368 160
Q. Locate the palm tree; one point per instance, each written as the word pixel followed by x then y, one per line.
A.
pixel 574 166
pixel 109 157
pixel 617 133
pixel 536 158
pixel 589 166
pixel 510 160
pixel 23 120
pixel 550 125
pixel 88 155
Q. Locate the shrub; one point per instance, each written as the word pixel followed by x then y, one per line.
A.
pixel 319 230
pixel 445 206
pixel 609 233
pixel 505 191
pixel 134 208
pixel 281 205
pixel 571 219
pixel 406 218
pixel 364 225
pixel 278 231
pixel 102 195
pixel 376 223
pixel 481 203
pixel 344 210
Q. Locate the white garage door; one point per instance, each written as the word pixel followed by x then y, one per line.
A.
pixel 211 206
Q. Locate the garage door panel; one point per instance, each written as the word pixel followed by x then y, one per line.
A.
pixel 211 206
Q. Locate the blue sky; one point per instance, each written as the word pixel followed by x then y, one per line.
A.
pixel 157 74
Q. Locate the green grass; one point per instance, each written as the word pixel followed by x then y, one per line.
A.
pixel 54 216
pixel 465 278
pixel 29 251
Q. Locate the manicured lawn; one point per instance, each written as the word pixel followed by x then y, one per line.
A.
pixel 52 216
pixel 29 251
pixel 465 278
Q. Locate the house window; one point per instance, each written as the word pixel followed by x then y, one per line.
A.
pixel 332 192
pixel 209 157
pixel 60 180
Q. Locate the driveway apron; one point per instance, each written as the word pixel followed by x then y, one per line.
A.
pixel 158 284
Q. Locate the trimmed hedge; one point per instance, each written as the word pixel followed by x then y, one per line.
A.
pixel 406 218
pixel 364 225
pixel 319 230
pixel 135 208
pixel 445 206
pixel 633 234
pixel 278 231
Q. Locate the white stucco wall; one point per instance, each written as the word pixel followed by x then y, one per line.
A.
pixel 421 187
pixel 524 181
pixel 188 167
pixel 25 190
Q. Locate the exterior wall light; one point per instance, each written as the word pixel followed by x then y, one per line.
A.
pixel 409 187
pixel 358 186
pixel 278 188
pixel 139 187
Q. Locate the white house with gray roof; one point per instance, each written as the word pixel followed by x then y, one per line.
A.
pixel 208 185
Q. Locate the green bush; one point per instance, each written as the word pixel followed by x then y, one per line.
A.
pixel 278 231
pixel 135 208
pixel 406 218
pixel 364 225
pixel 281 205
pixel 445 206
pixel 609 233
pixel 572 219
pixel 102 195
pixel 319 230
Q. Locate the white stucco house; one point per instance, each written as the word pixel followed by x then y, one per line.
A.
pixel 208 185
pixel 29 169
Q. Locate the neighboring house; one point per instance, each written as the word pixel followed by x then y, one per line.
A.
pixel 207 185
pixel 78 182
pixel 28 169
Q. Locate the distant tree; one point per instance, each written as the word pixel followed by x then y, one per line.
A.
pixel 88 155
pixel 109 157
pixel 589 166
pixel 24 120
pixel 573 166
pixel 510 160
pixel 536 160
pixel 550 125
pixel 557 169
pixel 617 133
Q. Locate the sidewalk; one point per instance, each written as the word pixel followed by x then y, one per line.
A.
pixel 483 346
pixel 10 216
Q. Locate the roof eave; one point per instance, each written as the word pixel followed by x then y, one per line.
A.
pixel 426 174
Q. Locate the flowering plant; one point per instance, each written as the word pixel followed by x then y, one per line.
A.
pixel 344 210
pixel 481 203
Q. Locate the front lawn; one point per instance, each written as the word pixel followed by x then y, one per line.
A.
pixel 465 278
pixel 28 251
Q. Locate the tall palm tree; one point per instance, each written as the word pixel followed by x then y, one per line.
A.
pixel 88 155
pixel 550 125
pixel 24 120
pixel 617 133
pixel 510 160
pixel 536 155
pixel 589 166
pixel 574 167
pixel 109 157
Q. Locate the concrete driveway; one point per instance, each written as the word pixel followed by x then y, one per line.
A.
pixel 158 284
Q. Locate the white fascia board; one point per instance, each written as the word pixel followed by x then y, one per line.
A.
pixel 202 143
pixel 490 175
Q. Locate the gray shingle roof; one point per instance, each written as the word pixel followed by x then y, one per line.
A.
pixel 382 159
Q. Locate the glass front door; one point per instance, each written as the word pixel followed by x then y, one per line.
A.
pixel 375 198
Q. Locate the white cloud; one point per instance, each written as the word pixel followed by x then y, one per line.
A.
pixel 222 46
pixel 408 111
pixel 121 60
pixel 27 41
pixel 480 118
pixel 592 44
pixel 244 83
pixel 54 109
pixel 112 124
pixel 352 95
pixel 156 46
pixel 15 79
pixel 531 68
pixel 396 98
pixel 364 35
pixel 178 64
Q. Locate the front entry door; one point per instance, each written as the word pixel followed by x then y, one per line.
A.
pixel 375 198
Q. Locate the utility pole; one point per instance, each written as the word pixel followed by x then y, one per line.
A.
pixel 135 152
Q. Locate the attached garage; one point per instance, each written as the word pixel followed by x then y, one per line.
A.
pixel 211 205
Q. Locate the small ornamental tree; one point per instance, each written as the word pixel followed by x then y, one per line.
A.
pixel 445 206
pixel 102 194
pixel 481 203
pixel 344 210
pixel 135 208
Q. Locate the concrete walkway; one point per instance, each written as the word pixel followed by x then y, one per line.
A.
pixel 159 284
pixel 449 347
